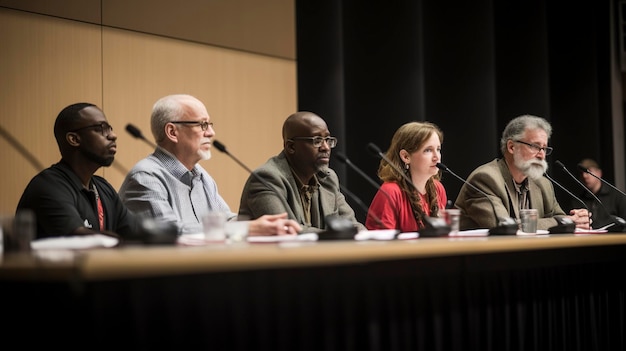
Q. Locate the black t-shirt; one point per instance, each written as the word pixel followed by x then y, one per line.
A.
pixel 61 204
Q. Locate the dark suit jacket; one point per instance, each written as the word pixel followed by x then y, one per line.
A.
pixel 495 179
pixel 282 195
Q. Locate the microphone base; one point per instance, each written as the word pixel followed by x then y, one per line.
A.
pixel 506 226
pixel 565 226
pixel 434 227
pixel 504 229
pixel 339 228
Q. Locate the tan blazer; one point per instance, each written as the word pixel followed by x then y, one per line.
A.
pixel 495 179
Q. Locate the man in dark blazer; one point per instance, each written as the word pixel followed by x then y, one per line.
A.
pixel 516 181
pixel 298 180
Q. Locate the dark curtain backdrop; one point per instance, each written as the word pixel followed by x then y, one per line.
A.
pixel 469 67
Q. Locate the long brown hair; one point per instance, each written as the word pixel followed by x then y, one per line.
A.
pixel 411 137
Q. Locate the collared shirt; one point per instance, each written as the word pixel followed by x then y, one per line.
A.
pixel 522 194
pixel 308 196
pixel 160 186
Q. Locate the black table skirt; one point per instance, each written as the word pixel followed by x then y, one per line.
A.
pixel 573 299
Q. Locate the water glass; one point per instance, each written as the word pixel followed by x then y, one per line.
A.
pixel 528 220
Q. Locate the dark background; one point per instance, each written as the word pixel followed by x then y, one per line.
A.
pixel 469 67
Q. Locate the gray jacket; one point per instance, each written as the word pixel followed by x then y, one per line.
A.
pixel 281 195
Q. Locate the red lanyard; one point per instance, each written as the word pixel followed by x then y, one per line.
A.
pixel 100 208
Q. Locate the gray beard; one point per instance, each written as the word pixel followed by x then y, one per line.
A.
pixel 533 169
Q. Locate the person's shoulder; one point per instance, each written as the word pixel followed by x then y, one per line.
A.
pixel 55 174
pixel 390 187
pixel 275 165
pixel 147 164
pixel 490 167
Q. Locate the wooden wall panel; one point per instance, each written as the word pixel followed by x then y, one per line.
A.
pixel 266 27
pixel 46 64
pixel 248 97
pixel 80 10
pixel 49 63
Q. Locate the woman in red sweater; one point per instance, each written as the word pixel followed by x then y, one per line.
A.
pixel 399 204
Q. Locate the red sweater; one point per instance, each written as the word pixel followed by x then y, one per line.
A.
pixel 393 208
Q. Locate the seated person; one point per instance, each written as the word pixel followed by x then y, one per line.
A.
pixel 398 204
pixel 298 180
pixel 170 185
pixel 516 181
pixel 613 203
pixel 67 198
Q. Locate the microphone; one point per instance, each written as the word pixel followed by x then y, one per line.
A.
pixel 560 164
pixel 583 169
pixel 433 226
pixel 135 132
pixel 363 175
pixel 566 225
pixel 361 204
pixel 506 225
pixel 339 228
pixel 345 160
pixel 222 148
pixel 375 150
pixel 618 223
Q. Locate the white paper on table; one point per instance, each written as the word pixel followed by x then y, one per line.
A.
pixel 74 242
pixel 378 234
pixel 471 232
pixel 282 238
pixel 590 231
pixel 539 232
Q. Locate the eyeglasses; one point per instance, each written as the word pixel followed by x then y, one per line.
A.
pixel 536 148
pixel 203 124
pixel 318 140
pixel 105 128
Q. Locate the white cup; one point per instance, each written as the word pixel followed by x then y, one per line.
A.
pixel 528 219
pixel 214 225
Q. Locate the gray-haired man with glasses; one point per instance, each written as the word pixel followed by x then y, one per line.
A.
pixel 170 185
pixel 516 181
pixel 298 180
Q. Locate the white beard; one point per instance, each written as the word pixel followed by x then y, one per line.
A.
pixel 204 155
pixel 533 168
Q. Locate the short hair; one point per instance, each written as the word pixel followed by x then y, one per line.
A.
pixel 67 120
pixel 589 163
pixel 516 128
pixel 165 110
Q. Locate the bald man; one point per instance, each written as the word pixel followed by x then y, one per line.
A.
pixel 299 177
